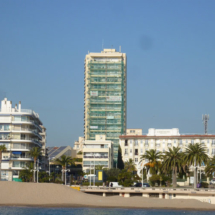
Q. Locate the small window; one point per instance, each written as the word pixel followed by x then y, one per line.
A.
pixel 136 160
pixel 136 151
pixel 126 142
pixel 102 146
pixel 130 150
pixel 136 142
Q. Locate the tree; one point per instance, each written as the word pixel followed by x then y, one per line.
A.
pixel 64 161
pixel 26 175
pixel 195 154
pixel 172 161
pixel 120 163
pixel 152 157
pixel 125 178
pixel 2 149
pixel 99 167
pixel 112 174
pixel 35 152
pixel 130 166
pixel 210 167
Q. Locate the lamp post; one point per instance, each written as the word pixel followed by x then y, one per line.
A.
pixel 94 171
pixel 49 169
pixel 64 172
pixel 90 173
pixel 142 176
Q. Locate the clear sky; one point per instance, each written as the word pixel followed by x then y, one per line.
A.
pixel 170 47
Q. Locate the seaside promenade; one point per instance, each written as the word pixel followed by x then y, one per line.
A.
pixel 54 195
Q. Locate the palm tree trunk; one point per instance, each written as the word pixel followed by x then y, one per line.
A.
pixel 174 184
pixel 0 163
pixel 34 168
pixel 195 181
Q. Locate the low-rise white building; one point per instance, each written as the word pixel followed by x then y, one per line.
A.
pixel 19 131
pixel 78 145
pixel 97 152
pixel 134 144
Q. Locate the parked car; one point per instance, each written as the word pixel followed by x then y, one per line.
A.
pixel 212 181
pixel 114 184
pixel 138 184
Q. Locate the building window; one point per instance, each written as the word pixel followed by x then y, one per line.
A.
pixel 141 151
pixel 180 142
pixel 174 141
pixel 136 142
pixel 141 141
pixel 213 151
pixel 130 141
pixel 192 141
pixel 136 160
pixel 208 141
pixel 126 142
pixel 126 151
pixel 213 142
pixel 136 151
pixel 130 150
pixel 186 141
pixel 146 142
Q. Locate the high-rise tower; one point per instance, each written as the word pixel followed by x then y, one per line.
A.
pixel 105 96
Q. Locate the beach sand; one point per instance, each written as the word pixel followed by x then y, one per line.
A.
pixel 55 195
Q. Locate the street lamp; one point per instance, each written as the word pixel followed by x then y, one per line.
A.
pixel 65 170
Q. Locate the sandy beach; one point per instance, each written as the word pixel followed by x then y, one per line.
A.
pixel 54 195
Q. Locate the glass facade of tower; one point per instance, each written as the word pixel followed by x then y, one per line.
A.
pixel 106 101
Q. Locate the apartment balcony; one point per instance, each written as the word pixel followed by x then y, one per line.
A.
pixel 29 122
pixel 26 130
pixel 18 159
pixel 96 157
pixel 35 141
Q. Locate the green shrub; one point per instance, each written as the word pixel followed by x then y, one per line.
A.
pixel 204 185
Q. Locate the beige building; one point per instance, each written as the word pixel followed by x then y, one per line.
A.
pixel 98 152
pixel 134 144
pixel 105 96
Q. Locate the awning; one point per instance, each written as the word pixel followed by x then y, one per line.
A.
pixel 17 153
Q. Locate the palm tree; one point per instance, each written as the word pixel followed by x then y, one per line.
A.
pixel 26 174
pixel 152 157
pixel 172 161
pixel 2 149
pixel 210 167
pixel 63 161
pixel 35 152
pixel 195 154
pixel 130 165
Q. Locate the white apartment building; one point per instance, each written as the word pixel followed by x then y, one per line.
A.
pixel 134 144
pixel 97 152
pixel 78 145
pixel 19 131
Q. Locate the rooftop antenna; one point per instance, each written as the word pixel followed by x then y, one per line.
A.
pixel 205 118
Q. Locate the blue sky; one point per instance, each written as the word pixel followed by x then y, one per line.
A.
pixel 170 50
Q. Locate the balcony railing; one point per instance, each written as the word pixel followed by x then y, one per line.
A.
pixel 96 157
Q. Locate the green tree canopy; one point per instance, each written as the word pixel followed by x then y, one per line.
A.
pixel 210 167
pixel 195 154
pixel 172 161
pixel 130 166
pixel 2 149
pixel 152 157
